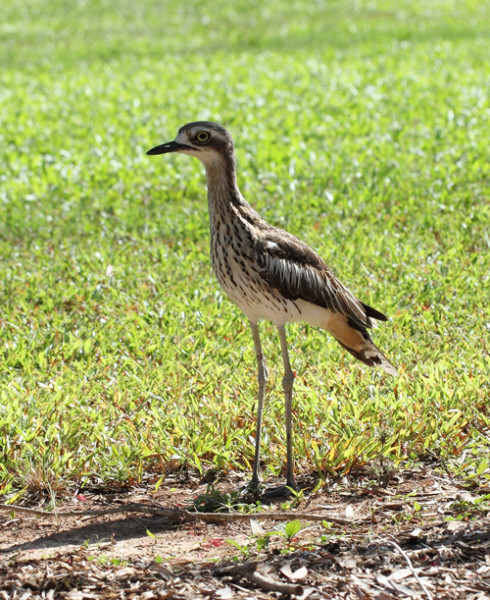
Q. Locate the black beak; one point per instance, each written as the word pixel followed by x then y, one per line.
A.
pixel 169 147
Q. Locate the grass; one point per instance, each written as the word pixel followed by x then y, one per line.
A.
pixel 360 127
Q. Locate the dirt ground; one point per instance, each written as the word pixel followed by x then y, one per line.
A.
pixel 421 536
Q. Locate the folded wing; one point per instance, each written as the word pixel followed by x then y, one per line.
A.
pixel 298 272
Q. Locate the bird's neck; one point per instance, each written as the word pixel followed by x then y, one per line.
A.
pixel 224 197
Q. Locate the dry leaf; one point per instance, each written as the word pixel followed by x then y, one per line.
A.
pixel 400 574
pixel 256 527
pixel 306 592
pixel 455 525
pixel 300 573
pixel 224 593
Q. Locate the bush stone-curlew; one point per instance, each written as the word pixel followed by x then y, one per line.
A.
pixel 270 274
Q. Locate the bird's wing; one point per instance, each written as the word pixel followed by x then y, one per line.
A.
pixel 296 271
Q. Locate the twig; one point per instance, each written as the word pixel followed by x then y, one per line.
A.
pixel 180 514
pixel 248 570
pixel 274 516
pixel 77 513
pixel 410 566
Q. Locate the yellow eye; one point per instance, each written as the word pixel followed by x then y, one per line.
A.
pixel 202 137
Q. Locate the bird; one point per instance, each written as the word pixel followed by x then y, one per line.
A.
pixel 271 275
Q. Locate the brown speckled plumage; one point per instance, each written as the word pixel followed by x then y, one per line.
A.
pixel 269 273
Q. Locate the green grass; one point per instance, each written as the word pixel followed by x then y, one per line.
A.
pixel 359 127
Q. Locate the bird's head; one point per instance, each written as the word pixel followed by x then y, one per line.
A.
pixel 209 142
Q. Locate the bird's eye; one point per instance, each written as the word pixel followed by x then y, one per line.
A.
pixel 202 137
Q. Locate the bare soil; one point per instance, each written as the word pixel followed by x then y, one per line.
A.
pixel 420 536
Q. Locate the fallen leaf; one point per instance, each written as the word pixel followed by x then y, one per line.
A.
pixel 224 593
pixel 256 527
pixel 306 592
pixel 300 573
pixel 400 574
pixel 455 525
pixel 398 587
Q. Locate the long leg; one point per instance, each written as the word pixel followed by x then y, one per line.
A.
pixel 262 377
pixel 287 386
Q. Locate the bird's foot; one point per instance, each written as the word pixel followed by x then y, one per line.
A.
pixel 282 491
pixel 252 491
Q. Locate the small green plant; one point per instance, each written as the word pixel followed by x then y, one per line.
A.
pixel 291 529
pixel 297 496
pixel 474 508
pixel 244 549
pixel 215 500
pixel 256 544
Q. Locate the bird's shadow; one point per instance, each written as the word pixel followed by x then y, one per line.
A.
pixel 71 533
pixel 116 530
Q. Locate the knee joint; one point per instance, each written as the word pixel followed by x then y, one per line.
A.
pixel 288 380
pixel 263 371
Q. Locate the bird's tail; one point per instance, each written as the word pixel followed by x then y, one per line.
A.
pixel 371 355
pixel 356 340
